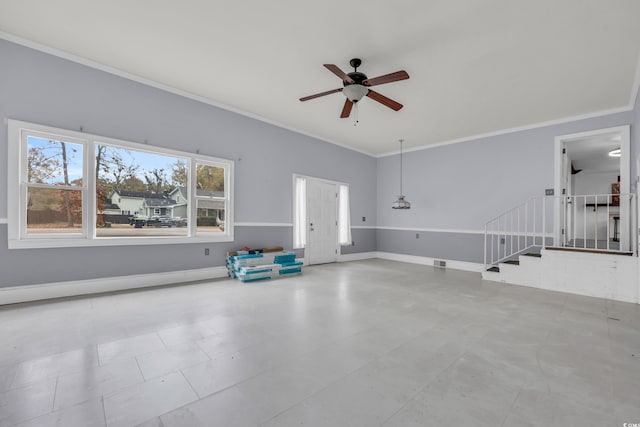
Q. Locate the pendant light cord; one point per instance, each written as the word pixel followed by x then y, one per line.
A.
pixel 401 193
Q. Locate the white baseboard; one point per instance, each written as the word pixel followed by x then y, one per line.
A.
pixel 26 293
pixel 414 259
pixel 357 257
pixel 17 294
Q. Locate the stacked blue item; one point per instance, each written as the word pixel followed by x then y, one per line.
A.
pixel 252 267
pixel 254 274
pixel 287 265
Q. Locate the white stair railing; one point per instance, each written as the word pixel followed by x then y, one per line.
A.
pixel 515 231
pixel 587 222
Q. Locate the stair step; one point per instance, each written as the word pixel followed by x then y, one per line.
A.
pixel 512 262
pixel 590 251
pixel 534 255
pixel 494 269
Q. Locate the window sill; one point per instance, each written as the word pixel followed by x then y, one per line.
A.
pixel 107 241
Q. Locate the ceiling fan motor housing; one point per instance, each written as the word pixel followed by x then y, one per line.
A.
pixel 355 91
pixel 357 78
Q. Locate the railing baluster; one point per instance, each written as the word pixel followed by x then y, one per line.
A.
pixel 575 220
pixel 511 244
pixel 518 237
pixel 595 224
pixel 485 247
pixel 608 221
pixel 544 219
pixel 534 221
pixel 584 225
pixel 493 244
pixel 526 225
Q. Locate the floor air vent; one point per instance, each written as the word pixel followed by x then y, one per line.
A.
pixel 439 263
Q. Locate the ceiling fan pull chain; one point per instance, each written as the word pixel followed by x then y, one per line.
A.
pixel 355 114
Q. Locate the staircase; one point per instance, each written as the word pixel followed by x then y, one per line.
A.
pixel 611 276
pixel 525 246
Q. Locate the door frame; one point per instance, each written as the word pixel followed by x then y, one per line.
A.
pixel 308 178
pixel 625 179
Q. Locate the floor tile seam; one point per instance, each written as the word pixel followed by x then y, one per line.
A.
pixel 104 410
pixel 324 387
pixel 13 374
pixel 508 412
pixel 584 406
pixel 173 370
pixel 134 356
pixel 421 389
pixel 144 378
pixel 14 386
pixel 164 346
pixel 222 390
pixel 190 385
pixel 55 393
pixel 249 378
pixel 31 384
pixel 332 342
pixel 41 415
pixel 214 357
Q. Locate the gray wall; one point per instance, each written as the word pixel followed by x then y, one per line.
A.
pixel 455 188
pixel 459 187
pixel 40 88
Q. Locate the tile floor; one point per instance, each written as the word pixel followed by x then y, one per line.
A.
pixel 370 343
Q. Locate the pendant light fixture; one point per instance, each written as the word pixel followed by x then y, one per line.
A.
pixel 401 203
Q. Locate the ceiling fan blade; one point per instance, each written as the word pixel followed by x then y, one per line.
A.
pixel 346 110
pixel 338 72
pixel 387 78
pixel 384 100
pixel 318 95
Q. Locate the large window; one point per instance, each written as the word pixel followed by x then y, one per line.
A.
pixel 72 189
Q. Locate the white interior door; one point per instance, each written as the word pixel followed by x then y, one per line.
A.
pixel 322 214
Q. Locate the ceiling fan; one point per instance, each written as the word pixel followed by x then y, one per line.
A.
pixel 356 86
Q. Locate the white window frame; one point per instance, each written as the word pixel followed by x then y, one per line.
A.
pixel 16 193
pixel 193 181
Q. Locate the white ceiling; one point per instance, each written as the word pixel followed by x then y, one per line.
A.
pixel 476 66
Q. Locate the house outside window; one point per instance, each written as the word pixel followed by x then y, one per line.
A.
pixel 68 188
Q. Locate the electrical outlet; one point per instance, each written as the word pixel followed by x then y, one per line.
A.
pixel 364 218
pixel 206 251
pixel 502 241
pixel 548 192
pixel 353 243
pixel 417 235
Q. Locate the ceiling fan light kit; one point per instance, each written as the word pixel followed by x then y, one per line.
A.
pixel 355 93
pixel 356 86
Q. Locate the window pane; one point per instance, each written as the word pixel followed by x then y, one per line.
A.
pixel 210 215
pixel 140 193
pixel 50 210
pixel 210 181
pixel 54 162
